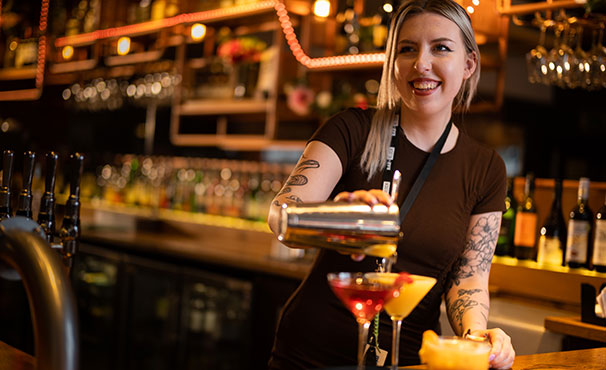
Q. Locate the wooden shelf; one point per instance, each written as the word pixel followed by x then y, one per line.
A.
pixel 573 326
pixel 209 16
pixel 237 142
pixel 148 56
pixel 25 73
pixel 529 8
pixel 203 107
pixel 555 284
pixel 75 66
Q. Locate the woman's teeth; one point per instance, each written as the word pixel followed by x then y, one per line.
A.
pixel 425 85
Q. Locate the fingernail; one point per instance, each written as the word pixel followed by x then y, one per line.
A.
pixel 492 356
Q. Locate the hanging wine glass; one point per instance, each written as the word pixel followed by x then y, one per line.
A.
pixel 535 59
pixel 598 61
pixel 550 74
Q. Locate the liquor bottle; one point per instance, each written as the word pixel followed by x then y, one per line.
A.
pixel 348 37
pixel 5 189
pixel 381 29
pixel 525 233
pixel 46 215
pixel 24 202
pixel 70 230
pixel 599 243
pixel 578 244
pixel 552 238
pixel 505 240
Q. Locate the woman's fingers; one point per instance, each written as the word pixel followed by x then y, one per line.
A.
pixel 502 354
pixel 370 197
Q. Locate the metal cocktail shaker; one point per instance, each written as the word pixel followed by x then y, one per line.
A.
pixel 347 227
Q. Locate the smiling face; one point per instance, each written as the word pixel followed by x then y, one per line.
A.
pixel 431 64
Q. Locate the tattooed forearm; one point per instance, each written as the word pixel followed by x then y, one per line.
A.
pixel 297 180
pixel 285 190
pixel 479 249
pixel 307 164
pixel 294 198
pixel 462 303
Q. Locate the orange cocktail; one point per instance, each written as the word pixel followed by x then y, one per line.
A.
pixel 453 353
pixel 402 302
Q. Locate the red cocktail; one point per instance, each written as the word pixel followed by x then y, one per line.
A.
pixel 364 298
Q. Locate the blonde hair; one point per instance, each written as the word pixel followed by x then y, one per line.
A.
pixel 388 99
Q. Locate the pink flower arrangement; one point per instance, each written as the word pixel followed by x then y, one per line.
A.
pixel 300 99
pixel 243 49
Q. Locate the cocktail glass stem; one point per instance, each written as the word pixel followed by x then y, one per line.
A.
pixel 395 344
pixel 363 326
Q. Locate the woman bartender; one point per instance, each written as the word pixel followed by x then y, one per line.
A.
pixel 431 68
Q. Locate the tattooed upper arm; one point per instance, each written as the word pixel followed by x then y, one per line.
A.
pixel 297 179
pixel 479 248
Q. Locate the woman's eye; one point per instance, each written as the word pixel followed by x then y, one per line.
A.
pixel 443 48
pixel 406 49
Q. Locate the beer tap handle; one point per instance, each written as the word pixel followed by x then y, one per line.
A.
pixel 5 189
pixel 70 230
pixel 24 203
pixel 46 215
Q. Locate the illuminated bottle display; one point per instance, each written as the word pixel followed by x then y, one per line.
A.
pixel 24 202
pixel 5 190
pixel 599 244
pixel 525 233
pixel 505 241
pixel 46 215
pixel 552 238
pixel 578 244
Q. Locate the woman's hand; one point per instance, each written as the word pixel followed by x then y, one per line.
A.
pixel 502 353
pixel 371 197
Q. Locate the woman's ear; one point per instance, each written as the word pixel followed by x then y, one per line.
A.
pixel 471 63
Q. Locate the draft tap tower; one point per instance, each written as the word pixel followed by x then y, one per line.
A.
pixel 46 215
pixel 5 190
pixel 70 230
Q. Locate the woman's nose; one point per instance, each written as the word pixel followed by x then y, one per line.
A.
pixel 422 63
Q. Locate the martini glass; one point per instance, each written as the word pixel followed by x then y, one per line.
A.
pixel 364 298
pixel 405 298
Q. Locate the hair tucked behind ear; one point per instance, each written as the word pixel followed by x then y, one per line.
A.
pixel 389 99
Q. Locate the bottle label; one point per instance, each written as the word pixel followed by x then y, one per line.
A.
pixel 577 242
pixel 599 247
pixel 550 250
pixel 525 230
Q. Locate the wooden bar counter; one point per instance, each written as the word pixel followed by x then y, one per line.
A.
pixel 586 359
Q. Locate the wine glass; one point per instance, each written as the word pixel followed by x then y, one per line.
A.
pixel 408 290
pixel 364 298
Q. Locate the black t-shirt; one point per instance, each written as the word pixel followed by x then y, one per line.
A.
pixel 315 329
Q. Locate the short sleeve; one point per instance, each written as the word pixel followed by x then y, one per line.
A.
pixel 491 195
pixel 345 133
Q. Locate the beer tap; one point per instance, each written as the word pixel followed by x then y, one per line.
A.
pixel 24 202
pixel 70 230
pixel 5 189
pixel 46 215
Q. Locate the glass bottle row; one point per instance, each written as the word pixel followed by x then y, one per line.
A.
pixel 578 243
pixel 233 188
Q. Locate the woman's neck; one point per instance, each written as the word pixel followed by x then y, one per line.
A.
pixel 424 132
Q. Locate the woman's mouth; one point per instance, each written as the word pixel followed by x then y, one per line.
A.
pixel 424 86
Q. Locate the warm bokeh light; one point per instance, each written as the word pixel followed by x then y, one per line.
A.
pixel 387 8
pixel 470 9
pixel 198 32
pixel 123 45
pixel 67 52
pixel 322 8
